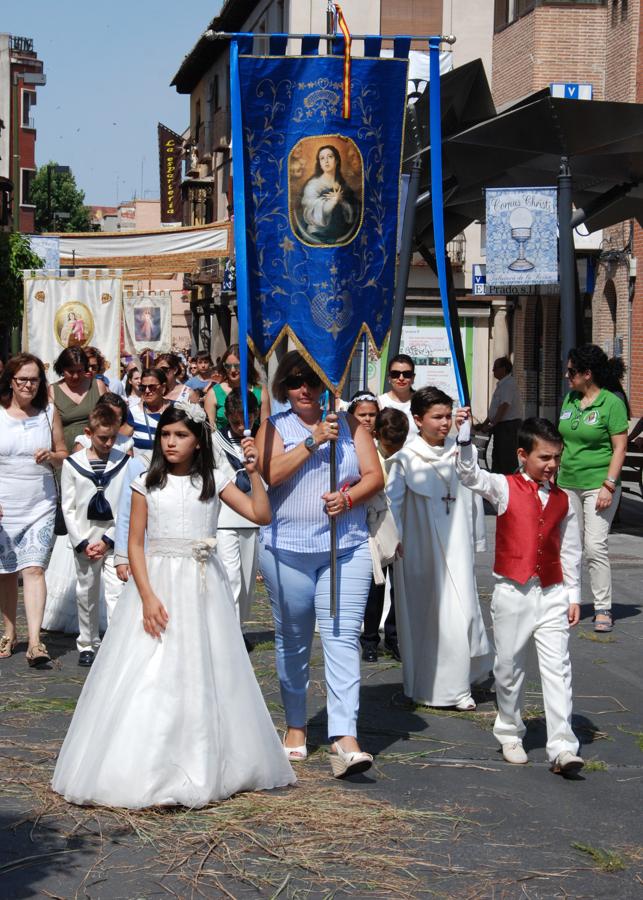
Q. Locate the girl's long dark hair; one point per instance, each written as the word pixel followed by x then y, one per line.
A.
pixel 202 461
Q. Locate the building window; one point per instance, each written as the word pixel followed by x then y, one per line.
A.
pixel 507 11
pixel 28 100
pixel 27 177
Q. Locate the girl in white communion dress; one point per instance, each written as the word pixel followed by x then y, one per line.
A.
pixel 171 712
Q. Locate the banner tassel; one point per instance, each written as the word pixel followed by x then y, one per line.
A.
pixel 348 40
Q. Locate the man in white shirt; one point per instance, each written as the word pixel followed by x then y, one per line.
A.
pixel 504 418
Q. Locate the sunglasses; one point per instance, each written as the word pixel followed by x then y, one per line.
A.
pixel 296 381
pixel 232 367
pixel 396 374
pixel 164 368
pixel 150 388
pixel 571 372
pixel 93 367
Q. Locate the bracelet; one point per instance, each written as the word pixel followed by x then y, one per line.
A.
pixel 462 443
pixel 348 500
pixel 611 480
pixel 609 487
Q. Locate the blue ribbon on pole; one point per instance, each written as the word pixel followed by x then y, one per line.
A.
pixel 437 200
pixel 239 206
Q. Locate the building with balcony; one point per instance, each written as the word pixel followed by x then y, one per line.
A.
pixel 21 72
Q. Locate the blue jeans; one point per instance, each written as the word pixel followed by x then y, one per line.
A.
pixel 299 589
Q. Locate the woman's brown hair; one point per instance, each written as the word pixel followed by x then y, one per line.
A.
pixel 13 365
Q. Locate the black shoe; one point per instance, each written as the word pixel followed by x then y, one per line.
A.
pixel 249 645
pixel 86 658
pixel 392 648
pixel 369 654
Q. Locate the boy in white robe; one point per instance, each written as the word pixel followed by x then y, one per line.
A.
pixel 442 636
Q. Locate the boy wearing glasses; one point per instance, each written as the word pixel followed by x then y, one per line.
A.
pixel 401 374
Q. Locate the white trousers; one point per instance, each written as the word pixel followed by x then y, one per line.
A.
pixel 238 550
pixel 595 527
pixel 89 573
pixel 520 613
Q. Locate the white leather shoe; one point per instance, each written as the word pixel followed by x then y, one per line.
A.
pixel 514 753
pixel 567 763
pixel 466 705
pixel 294 754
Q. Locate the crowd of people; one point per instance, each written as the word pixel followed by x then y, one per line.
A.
pixel 162 505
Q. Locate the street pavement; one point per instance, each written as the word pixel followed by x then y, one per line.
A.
pixel 439 815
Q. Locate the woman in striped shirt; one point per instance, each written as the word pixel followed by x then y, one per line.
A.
pixel 142 420
pixel 294 456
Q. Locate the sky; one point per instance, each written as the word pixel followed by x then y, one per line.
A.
pixel 108 67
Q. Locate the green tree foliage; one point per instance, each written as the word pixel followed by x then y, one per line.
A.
pixel 57 192
pixel 15 255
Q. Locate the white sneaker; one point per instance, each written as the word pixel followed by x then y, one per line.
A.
pixel 567 763
pixel 514 753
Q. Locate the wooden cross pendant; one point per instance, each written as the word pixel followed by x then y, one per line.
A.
pixel 448 500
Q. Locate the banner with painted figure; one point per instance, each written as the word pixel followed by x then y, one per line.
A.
pixel 72 308
pixel 522 236
pixel 321 198
pixel 147 321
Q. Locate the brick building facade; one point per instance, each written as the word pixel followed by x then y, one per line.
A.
pixel 536 43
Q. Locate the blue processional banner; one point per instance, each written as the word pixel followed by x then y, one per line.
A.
pixel 522 236
pixel 321 202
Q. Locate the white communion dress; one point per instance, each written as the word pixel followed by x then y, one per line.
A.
pixel 178 720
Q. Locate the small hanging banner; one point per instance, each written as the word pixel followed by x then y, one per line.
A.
pixel 170 154
pixel 148 321
pixel 318 199
pixel 522 236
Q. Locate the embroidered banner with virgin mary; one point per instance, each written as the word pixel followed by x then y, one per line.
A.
pixel 321 197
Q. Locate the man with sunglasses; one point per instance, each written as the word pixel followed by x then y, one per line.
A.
pixel 401 375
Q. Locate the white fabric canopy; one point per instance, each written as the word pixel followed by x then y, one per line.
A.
pixel 207 241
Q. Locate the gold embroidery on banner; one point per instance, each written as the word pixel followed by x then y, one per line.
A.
pixel 105 298
pixel 40 296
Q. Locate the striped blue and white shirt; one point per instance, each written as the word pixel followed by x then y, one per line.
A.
pixel 299 521
pixel 144 424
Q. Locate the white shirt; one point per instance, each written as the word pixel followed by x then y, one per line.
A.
pixel 506 392
pixel 385 400
pixel 495 489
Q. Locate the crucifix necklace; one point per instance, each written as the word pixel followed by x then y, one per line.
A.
pixel 448 500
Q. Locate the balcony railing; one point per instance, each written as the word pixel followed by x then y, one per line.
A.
pixel 21 44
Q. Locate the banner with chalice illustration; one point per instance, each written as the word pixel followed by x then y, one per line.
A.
pixel 72 308
pixel 321 195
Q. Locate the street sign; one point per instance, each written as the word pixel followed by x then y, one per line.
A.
pixel 571 90
pixel 481 288
pixel 479 278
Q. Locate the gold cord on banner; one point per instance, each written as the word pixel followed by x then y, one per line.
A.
pixel 348 40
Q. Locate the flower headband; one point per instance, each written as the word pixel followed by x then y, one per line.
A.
pixel 366 396
pixel 193 411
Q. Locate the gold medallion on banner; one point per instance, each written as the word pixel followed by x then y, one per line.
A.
pixel 73 325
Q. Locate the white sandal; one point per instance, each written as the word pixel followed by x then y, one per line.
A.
pixel 294 754
pixel 343 763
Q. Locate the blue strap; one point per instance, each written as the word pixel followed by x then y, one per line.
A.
pixel 437 202
pixel 401 47
pixel 246 44
pixel 310 45
pixel 278 44
pixel 372 46
pixel 240 228
pixel 337 45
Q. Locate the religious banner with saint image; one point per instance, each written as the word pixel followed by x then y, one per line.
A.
pixel 321 198
pixel 148 321
pixel 72 308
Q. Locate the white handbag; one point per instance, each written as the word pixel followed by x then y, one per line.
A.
pixel 383 537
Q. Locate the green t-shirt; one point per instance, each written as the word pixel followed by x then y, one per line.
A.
pixel 587 434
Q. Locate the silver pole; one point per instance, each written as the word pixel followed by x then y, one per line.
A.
pixel 211 35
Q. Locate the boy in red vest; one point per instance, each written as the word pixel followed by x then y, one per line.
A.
pixel 537 592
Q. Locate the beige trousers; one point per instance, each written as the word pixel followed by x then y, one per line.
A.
pixel 595 527
pixel 89 573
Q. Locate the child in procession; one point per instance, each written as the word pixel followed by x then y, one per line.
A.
pixel 171 713
pixel 91 483
pixel 390 430
pixel 442 636
pixel 237 536
pixel 537 591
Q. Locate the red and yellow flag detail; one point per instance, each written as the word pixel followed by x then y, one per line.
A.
pixel 348 40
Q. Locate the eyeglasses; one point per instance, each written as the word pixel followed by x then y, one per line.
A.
pixel 397 374
pixel 232 367
pixel 150 388
pixel 164 368
pixel 296 381
pixel 22 382
pixel 571 372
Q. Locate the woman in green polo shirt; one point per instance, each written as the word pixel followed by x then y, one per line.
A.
pixel 593 423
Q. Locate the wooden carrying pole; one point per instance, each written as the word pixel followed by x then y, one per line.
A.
pixel 330 28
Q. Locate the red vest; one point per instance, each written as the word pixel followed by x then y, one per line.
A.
pixel 528 536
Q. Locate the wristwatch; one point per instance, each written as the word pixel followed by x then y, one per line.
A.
pixel 310 444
